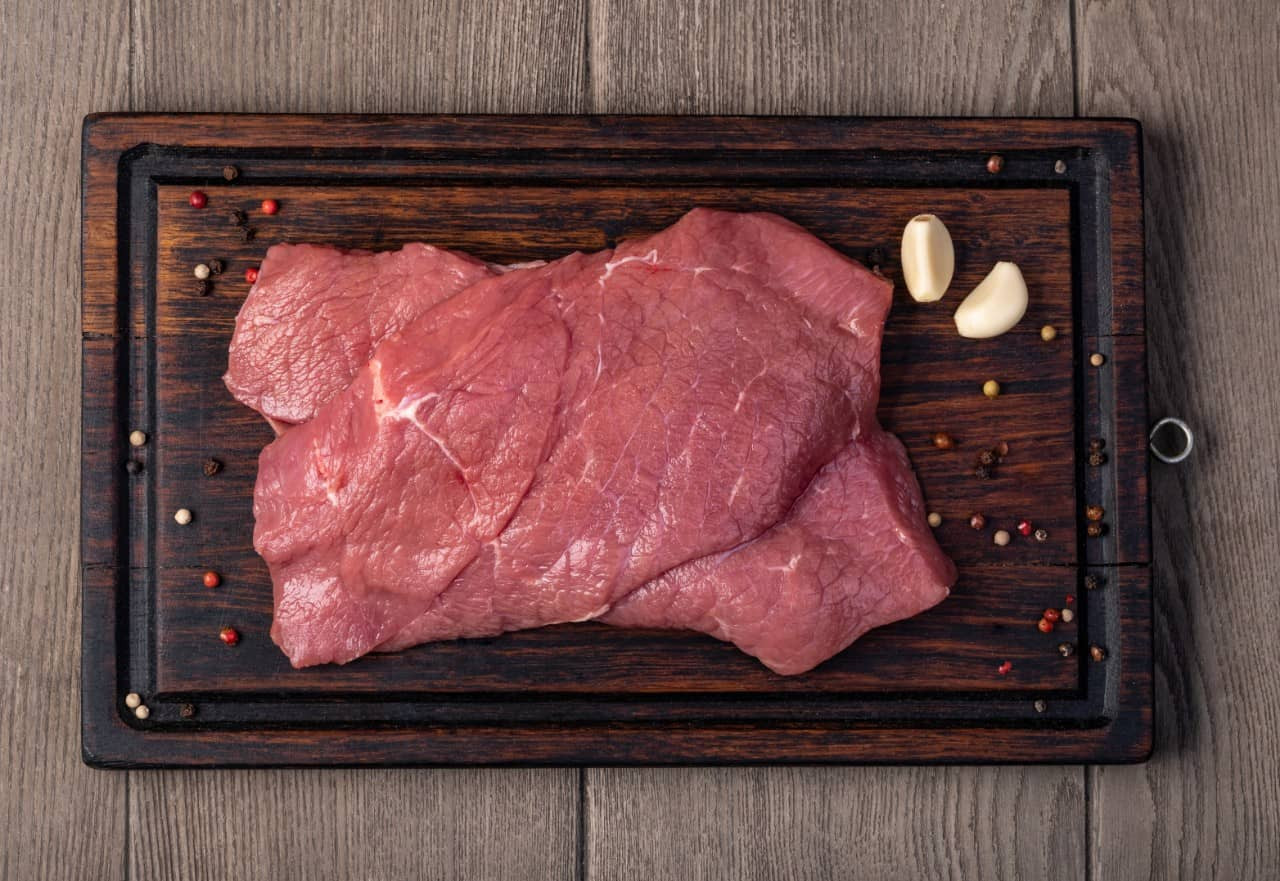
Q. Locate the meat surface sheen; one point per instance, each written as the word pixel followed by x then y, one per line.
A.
pixel 678 433
pixel 316 313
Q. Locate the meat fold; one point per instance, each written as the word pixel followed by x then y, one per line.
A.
pixel 677 433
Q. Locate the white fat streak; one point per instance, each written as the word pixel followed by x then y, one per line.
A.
pixel 651 259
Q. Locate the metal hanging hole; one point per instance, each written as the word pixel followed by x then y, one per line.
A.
pixel 1178 426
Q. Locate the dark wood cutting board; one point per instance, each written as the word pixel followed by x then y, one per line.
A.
pixel 1066 206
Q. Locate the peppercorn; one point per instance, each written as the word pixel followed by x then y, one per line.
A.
pixel 1095 530
pixel 211 467
pixel 1040 705
pixel 1001 449
pixel 1066 649
pixel 1094 512
pixel 230 172
pixel 133 466
pixel 991 388
pixel 182 516
pixel 1097 652
pixel 1042 534
pixel 982 472
pixel 1097 459
pixel 229 635
pixel 201 271
pixel 1068 616
pixel 216 266
pixel 1060 167
pixel 1004 668
pixel 995 163
pixel 197 199
pixel 142 712
pixel 1045 625
pixel 132 700
pixel 1091 582
pixel 238 217
pixel 1001 537
pixel 1070 599
pixel 270 206
pixel 977 521
pixel 1097 359
pixel 1048 333
pixel 935 519
pixel 188 711
pixel 1024 527
pixel 1051 614
pixel 1097 445
pixel 203 287
pixel 251 275
pixel 212 579
pixel 943 441
pixel 247 233
pixel 987 457
pixel 876 257
pixel 137 438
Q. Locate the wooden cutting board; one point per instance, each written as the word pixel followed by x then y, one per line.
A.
pixel 1066 205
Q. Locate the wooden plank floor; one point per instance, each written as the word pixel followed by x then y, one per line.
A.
pixel 1203 79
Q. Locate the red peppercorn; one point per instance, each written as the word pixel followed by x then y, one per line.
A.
pixel 995 164
pixel 1045 625
pixel 197 199
pixel 1071 598
pixel 212 579
pixel 1051 615
pixel 251 274
pixel 1024 526
pixel 270 206
pixel 229 635
pixel 1004 668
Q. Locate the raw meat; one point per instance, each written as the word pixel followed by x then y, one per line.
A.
pixel 678 433
pixel 316 313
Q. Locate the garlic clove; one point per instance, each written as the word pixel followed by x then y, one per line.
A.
pixel 995 305
pixel 928 258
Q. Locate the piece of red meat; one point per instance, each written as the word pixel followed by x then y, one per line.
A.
pixel 712 433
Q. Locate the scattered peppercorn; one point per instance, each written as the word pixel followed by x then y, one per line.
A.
pixel 1040 706
pixel 204 287
pixel 251 274
pixel 201 271
pixel 995 163
pixel 991 388
pixel 229 635
pixel 987 457
pixel 1052 614
pixel 137 438
pixel 270 206
pixel 1097 652
pixel 876 257
pixel 133 466
pixel 182 516
pixel 1070 599
pixel 212 579
pixel 1048 333
pixel 935 519
pixel 982 472
pixel 197 199
pixel 1097 359
pixel 1042 534
pixel 238 217
pixel 1004 668
pixel 1001 537
pixel 141 711
pixel 211 467
pixel 1024 527
pixel 977 521
pixel 216 266
pixel 1001 449
pixel 1097 459
pixel 1095 530
pixel 1045 625
pixel 1060 167
pixel 1066 649
pixel 133 700
pixel 1097 445
pixel 247 233
pixel 1068 616
pixel 188 711
pixel 230 172
pixel 1094 512
pixel 943 441
pixel 1091 582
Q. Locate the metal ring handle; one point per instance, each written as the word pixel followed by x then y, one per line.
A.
pixel 1188 437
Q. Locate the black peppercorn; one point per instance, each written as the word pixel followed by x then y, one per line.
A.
pixel 230 172
pixel 1097 445
pixel 1091 582
pixel 876 257
pixel 1094 512
pixel 238 217
pixel 216 266
pixel 247 233
pixel 987 457
pixel 1094 530
pixel 211 467
pixel 133 466
pixel 1097 459
pixel 188 711
pixel 1066 649
pixel 982 472
pixel 203 287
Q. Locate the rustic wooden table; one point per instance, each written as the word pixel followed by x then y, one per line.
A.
pixel 1206 83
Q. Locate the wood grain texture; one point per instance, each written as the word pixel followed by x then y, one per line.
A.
pixel 1206 83
pixel 58 819
pixel 818 57
pixel 388 825
pixel 760 57
pixel 384 56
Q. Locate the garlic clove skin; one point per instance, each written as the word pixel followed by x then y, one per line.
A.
pixel 928 258
pixel 995 305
